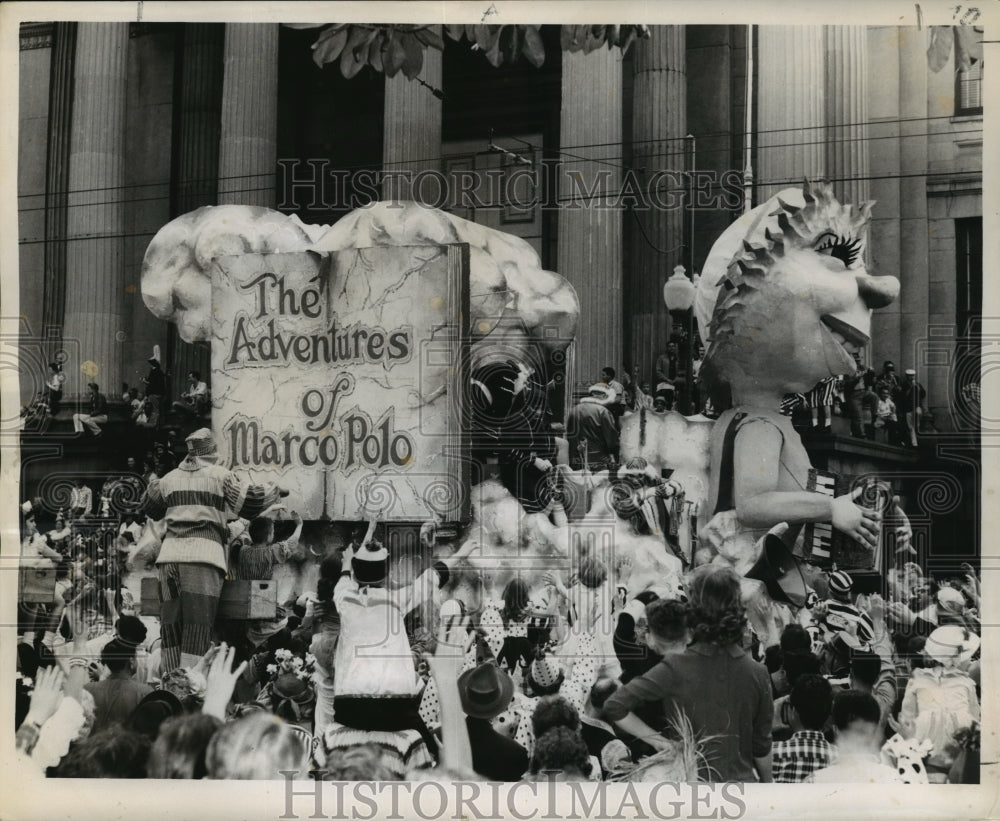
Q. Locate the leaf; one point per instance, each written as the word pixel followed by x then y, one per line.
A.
pixel 414 61
pixel 307 25
pixel 328 48
pixel 470 32
pixel 455 32
pixel 494 56
pixel 572 37
pixel 533 48
pixel 593 39
pixel 429 37
pixel 629 38
pixel 359 37
pixel 355 53
pixel 376 51
pixel 510 43
pixel 487 37
pixel 394 56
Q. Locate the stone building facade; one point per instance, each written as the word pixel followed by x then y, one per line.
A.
pixel 124 126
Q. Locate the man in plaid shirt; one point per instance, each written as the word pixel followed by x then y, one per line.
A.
pixel 807 750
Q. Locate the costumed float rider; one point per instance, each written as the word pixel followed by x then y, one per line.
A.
pixel 376 686
pixel 511 422
pixel 195 500
pixel 784 301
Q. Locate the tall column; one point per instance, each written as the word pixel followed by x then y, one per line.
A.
pixel 57 172
pixel 884 83
pixel 847 162
pixel 914 279
pixel 412 134
pixel 590 230
pixel 195 169
pixel 95 304
pixel 659 125
pixel 790 107
pixel 249 138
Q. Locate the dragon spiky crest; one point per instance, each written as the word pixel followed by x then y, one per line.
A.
pixel 822 220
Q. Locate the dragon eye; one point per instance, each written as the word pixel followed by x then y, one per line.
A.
pixel 846 249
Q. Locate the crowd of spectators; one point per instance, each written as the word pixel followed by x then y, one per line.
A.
pixel 387 670
pixel 146 408
pixel 881 406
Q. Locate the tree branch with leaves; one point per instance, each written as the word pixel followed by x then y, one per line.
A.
pixel 391 48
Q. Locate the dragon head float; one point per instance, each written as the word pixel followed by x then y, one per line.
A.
pixel 787 283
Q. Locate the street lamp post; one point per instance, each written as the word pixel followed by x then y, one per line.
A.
pixel 678 296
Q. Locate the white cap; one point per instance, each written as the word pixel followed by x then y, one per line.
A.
pixel 951 642
pixel 606 394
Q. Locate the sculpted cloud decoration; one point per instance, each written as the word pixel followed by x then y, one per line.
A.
pixel 507 280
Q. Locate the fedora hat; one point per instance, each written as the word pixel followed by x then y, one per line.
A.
pixel 153 710
pixel 781 572
pixel 485 691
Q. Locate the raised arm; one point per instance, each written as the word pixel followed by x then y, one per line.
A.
pixel 290 546
pixel 759 504
pixel 446 664
pixel 79 660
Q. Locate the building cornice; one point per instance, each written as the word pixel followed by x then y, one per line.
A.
pixel 36 35
pixel 955 184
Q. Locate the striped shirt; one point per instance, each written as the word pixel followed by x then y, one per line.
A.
pixel 844 616
pixel 402 750
pixel 196 500
pixel 257 561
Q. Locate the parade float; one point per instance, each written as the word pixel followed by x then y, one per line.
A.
pixel 383 367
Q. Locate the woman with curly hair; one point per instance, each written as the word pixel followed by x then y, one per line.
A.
pixel 722 691
pixel 560 755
